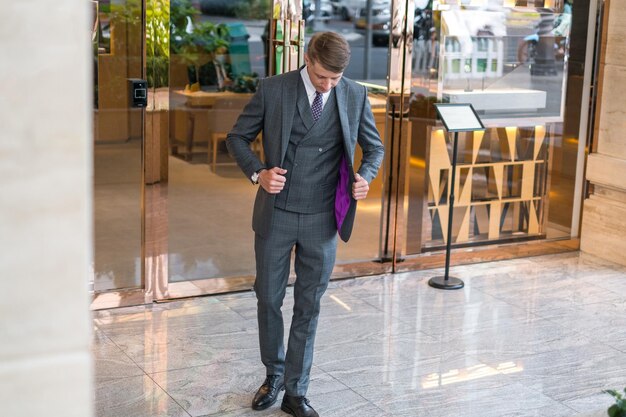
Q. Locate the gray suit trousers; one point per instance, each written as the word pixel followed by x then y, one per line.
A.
pixel 314 237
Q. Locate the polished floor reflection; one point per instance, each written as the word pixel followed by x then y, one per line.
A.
pixel 538 336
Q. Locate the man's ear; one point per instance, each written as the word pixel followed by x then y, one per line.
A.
pixel 306 58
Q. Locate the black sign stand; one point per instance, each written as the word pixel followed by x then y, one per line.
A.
pixel 456 118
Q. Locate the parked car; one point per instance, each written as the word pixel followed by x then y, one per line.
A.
pixel 381 20
pixel 349 9
pixel 336 6
pixel 308 10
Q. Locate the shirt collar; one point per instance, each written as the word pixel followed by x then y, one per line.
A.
pixel 308 85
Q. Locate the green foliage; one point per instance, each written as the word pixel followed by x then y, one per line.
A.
pixel 128 12
pixel 181 13
pixel 619 408
pixel 253 9
pixel 201 46
pixel 245 83
pixel 211 38
pixel 157 42
pixel 180 10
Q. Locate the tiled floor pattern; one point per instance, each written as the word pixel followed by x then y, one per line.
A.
pixel 538 336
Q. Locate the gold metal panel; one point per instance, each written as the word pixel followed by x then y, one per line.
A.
pixel 528 180
pixel 511 135
pixel 502 185
pixel 499 178
pixel 494 220
pixel 465 189
pixel 477 140
pixel 438 160
pixel 463 234
pixel 540 134
pixel 442 211
pixel 533 222
pixel 286 37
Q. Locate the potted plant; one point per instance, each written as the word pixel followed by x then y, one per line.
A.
pixel 206 43
pixel 200 47
pixel 619 408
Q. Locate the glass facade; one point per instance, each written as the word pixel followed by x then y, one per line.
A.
pixel 515 182
pixel 510 61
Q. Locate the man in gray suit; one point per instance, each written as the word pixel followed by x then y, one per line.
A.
pixel 311 121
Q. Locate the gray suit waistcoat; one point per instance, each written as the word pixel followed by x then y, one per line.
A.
pixel 312 159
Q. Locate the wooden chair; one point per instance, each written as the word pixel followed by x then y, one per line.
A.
pixel 222 117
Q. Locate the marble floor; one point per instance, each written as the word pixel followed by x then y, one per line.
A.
pixel 538 336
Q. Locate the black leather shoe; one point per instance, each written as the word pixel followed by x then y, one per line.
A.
pixel 297 407
pixel 267 395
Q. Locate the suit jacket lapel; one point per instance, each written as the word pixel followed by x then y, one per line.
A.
pixel 304 108
pixel 290 94
pixel 341 94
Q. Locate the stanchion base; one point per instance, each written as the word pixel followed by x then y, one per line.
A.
pixel 451 283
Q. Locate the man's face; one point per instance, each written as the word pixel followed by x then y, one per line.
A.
pixel 322 79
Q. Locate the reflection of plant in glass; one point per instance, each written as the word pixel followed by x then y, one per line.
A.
pixel 253 9
pixel 208 42
pixel 619 408
pixel 245 83
pixel 197 44
pixel 157 42
pixel 124 26
pixel 204 47
pixel 181 15
pixel 212 38
pixel 128 12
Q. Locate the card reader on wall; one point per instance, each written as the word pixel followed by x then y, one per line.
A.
pixel 137 92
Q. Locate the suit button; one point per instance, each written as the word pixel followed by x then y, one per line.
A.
pixel 320 149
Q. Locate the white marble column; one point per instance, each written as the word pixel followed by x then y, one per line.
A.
pixel 45 208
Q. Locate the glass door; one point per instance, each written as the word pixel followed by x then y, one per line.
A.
pixel 173 211
pixel 218 53
pixel 118 146
pixel 518 183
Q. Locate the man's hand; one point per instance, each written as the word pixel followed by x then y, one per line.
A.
pixel 360 187
pixel 273 180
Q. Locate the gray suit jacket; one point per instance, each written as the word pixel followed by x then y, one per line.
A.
pixel 271 111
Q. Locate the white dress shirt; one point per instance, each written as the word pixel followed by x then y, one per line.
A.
pixel 310 89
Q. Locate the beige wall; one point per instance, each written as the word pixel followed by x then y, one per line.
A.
pixel 45 208
pixel 604 213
